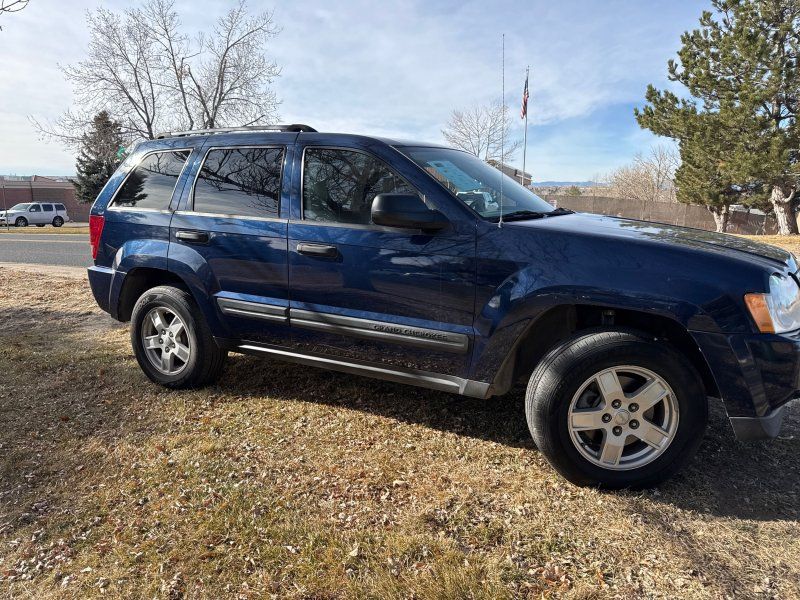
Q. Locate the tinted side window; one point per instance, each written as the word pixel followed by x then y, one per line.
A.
pixel 151 184
pixel 35 208
pixel 339 185
pixel 47 207
pixel 60 207
pixel 240 181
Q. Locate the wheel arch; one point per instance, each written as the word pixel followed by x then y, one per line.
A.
pixel 562 321
pixel 140 279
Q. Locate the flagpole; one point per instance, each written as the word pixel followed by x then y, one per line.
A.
pixel 525 143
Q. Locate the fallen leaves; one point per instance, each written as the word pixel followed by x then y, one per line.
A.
pixel 288 482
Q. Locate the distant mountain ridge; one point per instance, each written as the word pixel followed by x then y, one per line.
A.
pixel 567 184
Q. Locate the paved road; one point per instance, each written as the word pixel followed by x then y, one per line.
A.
pixel 65 249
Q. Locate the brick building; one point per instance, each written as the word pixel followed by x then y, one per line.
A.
pixel 37 188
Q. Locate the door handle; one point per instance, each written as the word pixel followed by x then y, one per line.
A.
pixel 318 250
pixel 194 237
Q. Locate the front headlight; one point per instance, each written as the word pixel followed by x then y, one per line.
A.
pixel 778 311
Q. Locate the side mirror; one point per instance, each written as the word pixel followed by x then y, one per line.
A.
pixel 406 210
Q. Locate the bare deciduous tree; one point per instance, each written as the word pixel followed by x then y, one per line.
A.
pixel 151 76
pixel 481 130
pixel 11 6
pixel 649 178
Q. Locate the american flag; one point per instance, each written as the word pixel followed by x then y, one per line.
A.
pixel 524 111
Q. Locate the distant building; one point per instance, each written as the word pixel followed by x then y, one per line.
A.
pixel 15 189
pixel 517 174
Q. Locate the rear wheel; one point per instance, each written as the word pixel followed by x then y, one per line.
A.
pixel 21 222
pixel 58 222
pixel 172 342
pixel 616 409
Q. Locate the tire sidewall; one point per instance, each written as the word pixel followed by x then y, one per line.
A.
pixel 159 298
pixel 21 222
pixel 58 222
pixel 552 415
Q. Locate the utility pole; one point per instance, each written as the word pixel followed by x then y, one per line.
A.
pixel 5 208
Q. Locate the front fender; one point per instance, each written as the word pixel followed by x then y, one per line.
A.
pixel 521 299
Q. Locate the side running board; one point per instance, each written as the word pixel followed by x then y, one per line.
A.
pixel 426 379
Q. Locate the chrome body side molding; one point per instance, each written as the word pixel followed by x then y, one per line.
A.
pixel 381 330
pixel 426 379
pixel 419 337
pixel 255 310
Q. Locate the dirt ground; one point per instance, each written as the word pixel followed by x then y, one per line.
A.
pixel 289 482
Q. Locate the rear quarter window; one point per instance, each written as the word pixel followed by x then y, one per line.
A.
pixel 151 184
pixel 60 207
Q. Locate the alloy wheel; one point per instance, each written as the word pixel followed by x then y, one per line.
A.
pixel 165 340
pixel 623 418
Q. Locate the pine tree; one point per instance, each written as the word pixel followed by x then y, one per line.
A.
pixel 738 131
pixel 98 158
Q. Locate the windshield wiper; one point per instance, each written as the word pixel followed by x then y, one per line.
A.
pixel 559 211
pixel 521 215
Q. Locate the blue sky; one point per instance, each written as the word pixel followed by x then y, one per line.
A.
pixel 398 69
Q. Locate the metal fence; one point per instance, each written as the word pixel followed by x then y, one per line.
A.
pixel 674 213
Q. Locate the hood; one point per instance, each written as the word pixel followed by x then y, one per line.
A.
pixel 662 233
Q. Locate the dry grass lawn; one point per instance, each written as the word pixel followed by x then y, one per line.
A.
pixel 288 482
pixel 78 229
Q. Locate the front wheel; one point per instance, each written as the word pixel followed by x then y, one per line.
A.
pixel 616 409
pixel 172 342
pixel 21 222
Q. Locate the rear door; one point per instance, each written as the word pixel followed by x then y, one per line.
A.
pixel 47 213
pixel 229 238
pixel 370 293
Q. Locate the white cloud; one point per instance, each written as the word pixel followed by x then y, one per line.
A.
pixel 392 68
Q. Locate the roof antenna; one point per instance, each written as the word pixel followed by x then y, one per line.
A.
pixel 502 129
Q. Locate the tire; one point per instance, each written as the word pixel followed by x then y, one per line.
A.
pixel 578 425
pixel 58 222
pixel 21 222
pixel 205 360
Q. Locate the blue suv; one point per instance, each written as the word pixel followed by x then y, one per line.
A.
pixel 421 264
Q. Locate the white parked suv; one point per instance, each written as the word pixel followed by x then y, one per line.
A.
pixel 35 213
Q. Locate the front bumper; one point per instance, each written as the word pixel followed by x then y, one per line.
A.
pixel 756 375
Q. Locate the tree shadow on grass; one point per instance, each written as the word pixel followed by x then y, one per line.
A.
pixel 79 397
pixel 759 481
pixel 500 420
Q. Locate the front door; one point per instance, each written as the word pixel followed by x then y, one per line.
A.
pixel 370 293
pixel 229 232
pixel 35 214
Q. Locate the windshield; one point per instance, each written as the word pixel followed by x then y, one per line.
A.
pixel 476 183
pixel 20 206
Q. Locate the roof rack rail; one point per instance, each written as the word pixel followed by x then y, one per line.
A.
pixel 295 127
